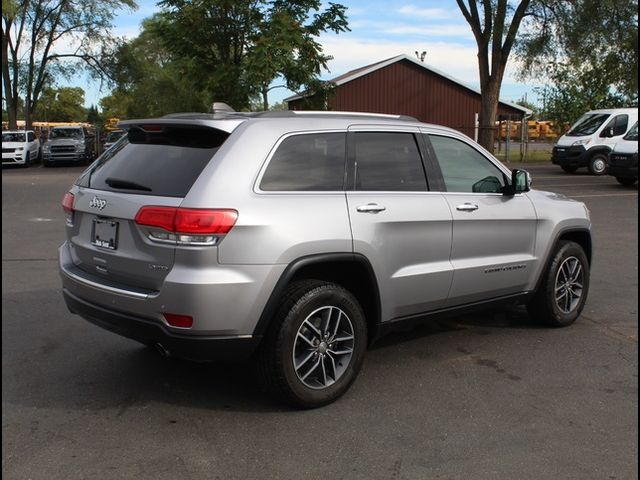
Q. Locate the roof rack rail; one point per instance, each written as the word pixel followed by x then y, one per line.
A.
pixel 219 112
pixel 293 113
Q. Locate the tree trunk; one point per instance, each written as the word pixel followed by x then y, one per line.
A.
pixel 10 101
pixel 488 114
pixel 28 119
pixel 28 115
pixel 265 98
pixel 489 31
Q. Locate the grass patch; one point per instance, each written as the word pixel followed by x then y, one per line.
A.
pixel 540 156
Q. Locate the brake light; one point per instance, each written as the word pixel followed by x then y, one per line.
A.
pixel 192 226
pixel 67 202
pixel 215 222
pixel 163 217
pixel 152 128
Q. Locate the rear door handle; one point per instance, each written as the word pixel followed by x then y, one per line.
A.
pixel 467 207
pixel 371 208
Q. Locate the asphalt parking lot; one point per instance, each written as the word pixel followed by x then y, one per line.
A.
pixel 488 396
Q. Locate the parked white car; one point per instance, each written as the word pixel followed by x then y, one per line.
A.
pixel 590 140
pixel 20 147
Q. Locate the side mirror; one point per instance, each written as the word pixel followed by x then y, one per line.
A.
pixel 520 182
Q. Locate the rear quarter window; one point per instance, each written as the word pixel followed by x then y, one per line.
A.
pixel 164 162
pixel 307 162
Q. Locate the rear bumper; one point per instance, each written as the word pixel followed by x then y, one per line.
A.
pixel 573 156
pixel 149 331
pixel 225 303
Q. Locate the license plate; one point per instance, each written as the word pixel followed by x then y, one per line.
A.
pixel 105 233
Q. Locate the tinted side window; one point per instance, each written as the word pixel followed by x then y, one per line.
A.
pixel 307 162
pixel 387 161
pixel 163 162
pixel 619 125
pixel 465 169
pixel 30 137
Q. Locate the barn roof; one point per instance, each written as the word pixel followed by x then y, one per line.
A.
pixel 367 69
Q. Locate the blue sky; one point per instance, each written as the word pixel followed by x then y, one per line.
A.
pixel 379 30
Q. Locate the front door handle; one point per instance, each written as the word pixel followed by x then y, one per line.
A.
pixel 371 208
pixel 467 207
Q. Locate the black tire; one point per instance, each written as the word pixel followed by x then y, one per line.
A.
pixel 544 306
pixel 598 164
pixel 626 181
pixel 569 168
pixel 275 358
pixel 47 163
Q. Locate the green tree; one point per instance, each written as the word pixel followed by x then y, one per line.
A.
pixel 65 104
pixel 523 102
pixel 586 51
pixel 93 115
pixel 285 45
pixel 239 47
pixel 571 93
pixel 116 105
pixel 278 106
pixel 31 28
pixel 495 26
pixel 151 81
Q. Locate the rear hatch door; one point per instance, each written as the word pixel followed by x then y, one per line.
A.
pixel 155 164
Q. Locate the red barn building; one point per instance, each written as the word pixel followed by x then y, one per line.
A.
pixel 403 85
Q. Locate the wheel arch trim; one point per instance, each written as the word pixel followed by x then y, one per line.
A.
pixel 567 233
pixel 606 149
pixel 306 261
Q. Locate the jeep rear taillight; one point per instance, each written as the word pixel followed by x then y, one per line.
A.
pixel 68 202
pixel 186 226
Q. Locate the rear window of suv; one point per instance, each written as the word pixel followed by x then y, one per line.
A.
pixel 157 160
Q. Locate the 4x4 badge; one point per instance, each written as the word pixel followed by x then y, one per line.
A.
pixel 97 203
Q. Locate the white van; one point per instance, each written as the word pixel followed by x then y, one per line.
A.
pixel 591 138
pixel 623 160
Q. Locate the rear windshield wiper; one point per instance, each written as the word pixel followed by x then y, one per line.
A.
pixel 125 184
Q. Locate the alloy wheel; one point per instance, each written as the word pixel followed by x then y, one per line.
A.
pixel 569 285
pixel 323 347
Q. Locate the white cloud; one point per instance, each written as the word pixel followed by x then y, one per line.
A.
pixel 454 59
pixel 448 30
pixel 460 31
pixel 429 13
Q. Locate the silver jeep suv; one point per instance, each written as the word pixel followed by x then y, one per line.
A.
pixel 298 238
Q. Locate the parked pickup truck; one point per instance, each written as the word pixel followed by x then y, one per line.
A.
pixel 68 144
